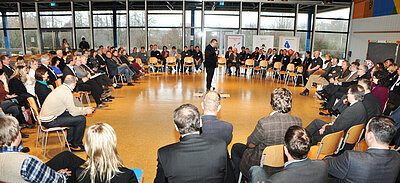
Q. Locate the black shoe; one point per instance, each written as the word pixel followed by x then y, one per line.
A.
pixel 334 112
pixel 107 100
pixel 25 150
pixel 110 97
pixel 305 92
pixel 77 149
pixel 101 106
pixel 323 108
pixel 130 84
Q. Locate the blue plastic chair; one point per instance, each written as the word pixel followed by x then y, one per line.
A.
pixel 138 173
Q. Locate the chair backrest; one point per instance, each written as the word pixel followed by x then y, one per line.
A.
pixel 278 65
pixel 331 142
pixel 138 61
pixel 34 108
pixel 273 156
pixel 353 134
pixel 290 68
pixel 58 82
pixel 188 60
pixel 171 60
pixel 300 69
pixel 153 60
pixel 249 62
pixel 263 63
pixel 221 60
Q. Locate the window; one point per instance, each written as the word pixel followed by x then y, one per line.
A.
pixel 165 37
pixel 103 36
pixel 138 38
pixel 249 19
pixel 83 33
pixel 102 19
pixel 137 18
pixel 12 20
pixel 277 23
pixel 248 38
pixel 343 13
pixel 197 18
pixel 165 20
pixel 122 39
pixel 304 41
pixel 331 25
pixel 221 21
pixel 332 43
pixel 29 19
pixel 197 38
pixel 31 43
pixel 59 19
pixel 121 19
pixel 82 18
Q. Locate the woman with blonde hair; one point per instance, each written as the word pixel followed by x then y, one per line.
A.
pixel 103 162
pixel 16 84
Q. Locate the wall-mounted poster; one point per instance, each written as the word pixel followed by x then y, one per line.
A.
pixel 287 42
pixel 263 42
pixel 234 40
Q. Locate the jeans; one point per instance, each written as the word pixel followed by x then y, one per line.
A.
pixel 68 160
pixel 124 69
pixel 237 153
pixel 257 174
pixel 76 124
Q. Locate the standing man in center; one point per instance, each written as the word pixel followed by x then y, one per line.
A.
pixel 210 63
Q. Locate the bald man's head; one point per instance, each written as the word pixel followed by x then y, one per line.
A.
pixel 212 102
pixel 70 80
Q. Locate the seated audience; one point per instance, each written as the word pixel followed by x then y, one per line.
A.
pixel 185 53
pixel 377 164
pixel 158 55
pixel 143 55
pixel 176 161
pixel 394 94
pixel 124 59
pixel 175 54
pixel 198 58
pixel 135 53
pixel 7 67
pixel 52 75
pixel 234 61
pixel 16 85
pixel 17 166
pixel 42 89
pixel 58 59
pixel 84 84
pixel 101 80
pixel 115 68
pixel 269 131
pixel 316 64
pixel 165 52
pixel 355 95
pixel 297 60
pixel 331 72
pixel 59 110
pixel 105 79
pixel 98 61
pixel 30 78
pixel 371 103
pixel 55 65
pixel 212 126
pixel 298 168
pixel 103 164
pixel 379 87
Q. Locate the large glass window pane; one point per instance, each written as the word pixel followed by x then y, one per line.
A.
pixel 31 42
pixel 121 18
pixel 248 37
pixel 165 20
pixel 138 38
pixel 82 18
pixel 103 37
pixel 136 18
pixel 2 44
pixel 12 20
pixel 197 38
pixel 332 43
pixel 302 21
pixel 325 12
pixel 331 25
pixel 249 19
pixel 165 37
pixel 122 39
pixel 278 9
pixel 59 19
pixel 29 19
pixel 221 21
pixel 197 18
pixel 15 38
pixel 277 23
pixel 276 35
pixel 102 19
pixel 83 33
pixel 304 42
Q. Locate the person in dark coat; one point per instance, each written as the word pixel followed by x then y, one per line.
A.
pixel 211 58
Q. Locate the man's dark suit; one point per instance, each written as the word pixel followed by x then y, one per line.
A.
pixel 8 70
pixel 353 115
pixel 302 172
pixel 372 105
pixel 210 63
pixel 215 128
pixel 372 165
pixel 89 85
pixel 193 159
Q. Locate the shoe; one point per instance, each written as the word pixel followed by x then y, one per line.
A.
pixel 25 150
pixel 325 113
pixel 323 108
pixel 77 149
pixel 130 84
pixel 321 92
pixel 118 86
pixel 334 112
pixel 107 90
pixel 110 97
pixel 305 92
pixel 107 100
pixel 23 135
pixel 101 106
pixel 67 145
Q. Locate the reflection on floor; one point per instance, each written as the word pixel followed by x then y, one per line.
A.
pixel 142 115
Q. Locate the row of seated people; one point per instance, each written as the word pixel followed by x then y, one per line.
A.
pixel 204 141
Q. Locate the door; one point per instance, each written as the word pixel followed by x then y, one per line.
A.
pixel 52 38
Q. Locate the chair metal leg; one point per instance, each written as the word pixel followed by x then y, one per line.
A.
pixel 319 150
pixel 37 135
pixel 58 135
pixel 87 98
pixel 66 141
pixel 45 145
pixel 240 177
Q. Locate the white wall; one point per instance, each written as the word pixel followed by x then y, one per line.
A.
pixel 358 43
